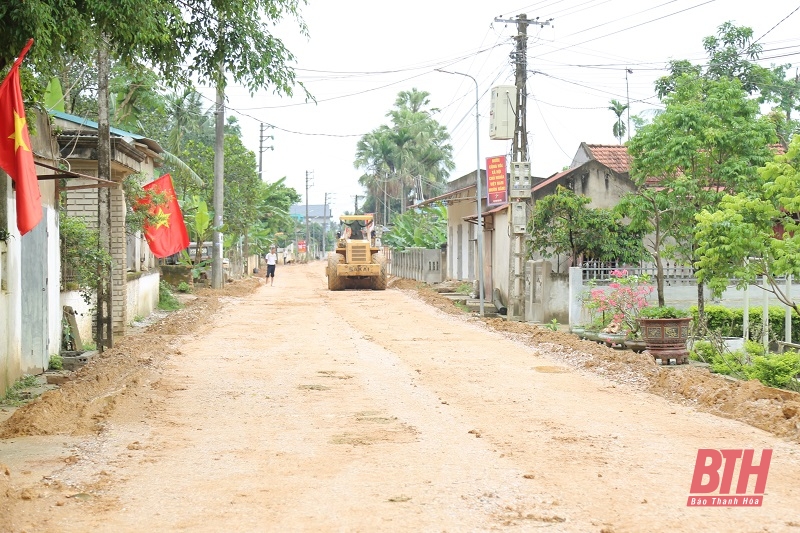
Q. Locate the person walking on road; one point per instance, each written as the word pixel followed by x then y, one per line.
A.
pixel 272 259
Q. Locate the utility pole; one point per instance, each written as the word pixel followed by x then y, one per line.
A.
pixel 308 235
pixel 104 334
pixel 262 149
pixel 324 224
pixel 219 182
pixel 520 186
pixel 628 96
pixel 357 196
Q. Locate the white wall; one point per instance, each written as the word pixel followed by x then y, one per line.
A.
pixel 83 313
pixel 500 243
pixel 142 295
pixel 55 312
pixel 458 249
pixel 10 289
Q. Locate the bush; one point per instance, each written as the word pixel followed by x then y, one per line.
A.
pixel 728 322
pixel 184 287
pixel 776 370
pixel 663 312
pixel 167 300
pixel 56 362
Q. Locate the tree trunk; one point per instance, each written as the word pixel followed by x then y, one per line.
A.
pixel 701 307
pixel 660 279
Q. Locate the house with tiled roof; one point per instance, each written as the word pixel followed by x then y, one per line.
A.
pixel 600 172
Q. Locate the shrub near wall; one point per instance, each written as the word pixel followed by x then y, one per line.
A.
pixel 727 322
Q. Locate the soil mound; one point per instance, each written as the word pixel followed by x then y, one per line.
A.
pixel 81 405
pixel 774 410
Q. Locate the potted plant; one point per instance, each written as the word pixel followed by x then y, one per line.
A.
pixel 665 330
pixel 635 342
pixel 613 335
pixel 623 300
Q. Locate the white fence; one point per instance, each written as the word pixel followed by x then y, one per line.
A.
pixel 419 264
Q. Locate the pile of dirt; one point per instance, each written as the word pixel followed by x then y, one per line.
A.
pixel 773 410
pixel 82 405
pixel 5 498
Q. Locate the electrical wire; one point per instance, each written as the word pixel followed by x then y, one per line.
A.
pixel 778 24
pixel 630 27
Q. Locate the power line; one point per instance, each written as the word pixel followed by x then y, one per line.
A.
pixel 778 24
pixel 631 27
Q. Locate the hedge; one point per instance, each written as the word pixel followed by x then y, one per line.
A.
pixel 728 322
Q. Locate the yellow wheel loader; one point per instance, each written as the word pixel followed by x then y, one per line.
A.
pixel 356 263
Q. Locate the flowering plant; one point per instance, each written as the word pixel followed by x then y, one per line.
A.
pixel 624 298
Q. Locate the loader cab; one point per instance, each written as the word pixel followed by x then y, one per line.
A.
pixel 355 228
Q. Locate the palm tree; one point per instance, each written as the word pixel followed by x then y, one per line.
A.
pixel 413 153
pixel 619 127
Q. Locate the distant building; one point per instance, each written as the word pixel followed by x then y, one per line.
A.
pixel 317 214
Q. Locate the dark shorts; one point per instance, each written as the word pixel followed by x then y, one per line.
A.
pixel 271 270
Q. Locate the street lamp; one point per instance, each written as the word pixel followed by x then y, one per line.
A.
pixel 479 188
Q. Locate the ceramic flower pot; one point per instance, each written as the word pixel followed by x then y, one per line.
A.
pixel 614 340
pixel 666 338
pixel 579 331
pixel 637 345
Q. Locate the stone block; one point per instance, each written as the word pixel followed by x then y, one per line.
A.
pixel 74 360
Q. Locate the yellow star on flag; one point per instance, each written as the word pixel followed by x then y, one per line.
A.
pixel 19 128
pixel 161 219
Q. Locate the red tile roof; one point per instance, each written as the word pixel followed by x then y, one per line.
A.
pixel 555 177
pixel 614 156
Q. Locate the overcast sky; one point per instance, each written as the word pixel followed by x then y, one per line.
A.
pixel 360 53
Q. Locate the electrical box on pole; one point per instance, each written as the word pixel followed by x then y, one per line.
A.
pixel 519 217
pixel 520 180
pixel 502 114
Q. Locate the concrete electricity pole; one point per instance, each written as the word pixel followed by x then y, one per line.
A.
pixel 357 196
pixel 326 213
pixel 262 149
pixel 520 186
pixel 219 183
pixel 308 235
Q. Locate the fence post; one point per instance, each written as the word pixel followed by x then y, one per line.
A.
pixel 575 294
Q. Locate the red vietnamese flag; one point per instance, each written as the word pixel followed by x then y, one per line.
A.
pixel 16 155
pixel 168 234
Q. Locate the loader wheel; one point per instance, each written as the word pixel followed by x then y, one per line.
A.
pixel 379 282
pixel 335 282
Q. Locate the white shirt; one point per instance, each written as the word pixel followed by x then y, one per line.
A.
pixel 272 258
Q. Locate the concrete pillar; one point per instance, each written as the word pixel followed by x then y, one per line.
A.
pixel 575 295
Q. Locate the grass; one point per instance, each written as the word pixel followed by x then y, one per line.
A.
pixel 462 306
pixel 15 395
pixel 166 300
pixel 464 288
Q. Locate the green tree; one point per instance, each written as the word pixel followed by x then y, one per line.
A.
pixel 756 232
pixel 708 141
pixel 619 129
pixel 412 157
pixel 564 224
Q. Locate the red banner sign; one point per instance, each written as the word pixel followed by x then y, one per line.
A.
pixel 496 190
pixel 301 247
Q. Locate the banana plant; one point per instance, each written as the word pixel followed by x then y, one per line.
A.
pixel 422 228
pixel 198 222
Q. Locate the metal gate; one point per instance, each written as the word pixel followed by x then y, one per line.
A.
pixel 34 299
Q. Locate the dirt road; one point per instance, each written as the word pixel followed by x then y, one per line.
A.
pixel 299 409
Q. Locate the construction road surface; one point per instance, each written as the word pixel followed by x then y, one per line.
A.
pixel 299 409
